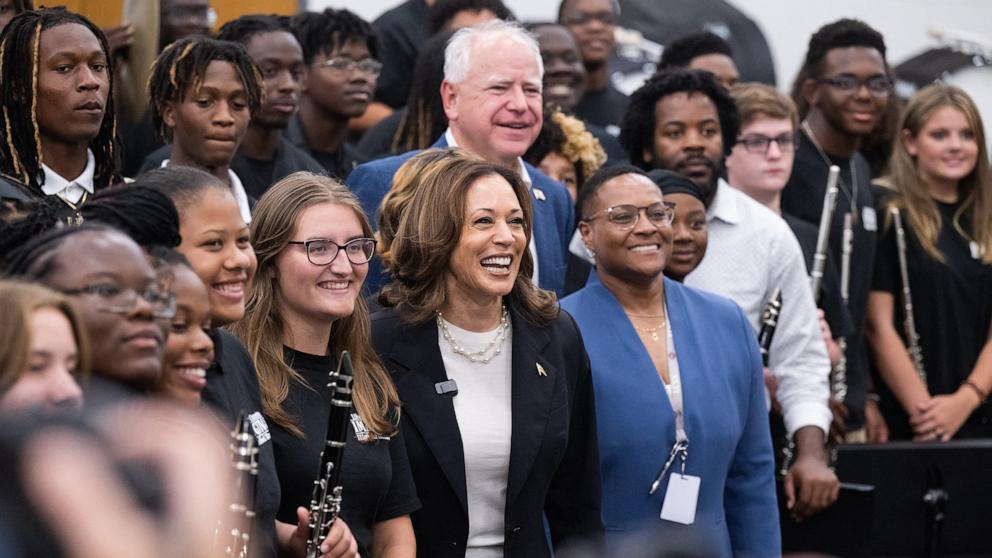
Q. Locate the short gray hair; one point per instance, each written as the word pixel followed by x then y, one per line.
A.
pixel 459 49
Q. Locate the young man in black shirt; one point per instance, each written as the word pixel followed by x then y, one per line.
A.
pixel 593 22
pixel 342 54
pixel 841 91
pixel 265 155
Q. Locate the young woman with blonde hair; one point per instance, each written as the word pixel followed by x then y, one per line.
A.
pixel 941 184
pixel 313 245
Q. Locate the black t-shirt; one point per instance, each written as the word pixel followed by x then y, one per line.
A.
pixel 377 142
pixel 830 299
pixel 803 198
pixel 603 108
pixel 258 175
pixel 232 388
pixel 952 307
pixel 402 30
pixel 376 479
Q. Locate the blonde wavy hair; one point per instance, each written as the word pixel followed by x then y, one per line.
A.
pixel 263 326
pixel 18 300
pixel 580 147
pixel 973 190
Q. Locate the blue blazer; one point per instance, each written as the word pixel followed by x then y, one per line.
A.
pixel 554 216
pixel 726 420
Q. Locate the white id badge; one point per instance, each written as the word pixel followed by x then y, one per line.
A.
pixel 868 218
pixel 680 499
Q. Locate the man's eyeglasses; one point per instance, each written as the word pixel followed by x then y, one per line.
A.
pixel 759 144
pixel 660 214
pixel 122 300
pixel 343 65
pixel 321 251
pixel 879 86
pixel 583 18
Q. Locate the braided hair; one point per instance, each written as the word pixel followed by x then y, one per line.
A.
pixel 37 259
pixel 20 148
pixel 329 30
pixel 424 120
pixel 146 215
pixel 180 68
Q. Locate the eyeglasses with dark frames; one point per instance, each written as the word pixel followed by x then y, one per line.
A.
pixel 879 86
pixel 122 300
pixel 760 144
pixel 322 251
pixel 625 216
pixel 344 65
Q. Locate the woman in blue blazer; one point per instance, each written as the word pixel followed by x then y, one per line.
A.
pixel 649 339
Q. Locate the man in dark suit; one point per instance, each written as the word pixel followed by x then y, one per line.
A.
pixel 492 98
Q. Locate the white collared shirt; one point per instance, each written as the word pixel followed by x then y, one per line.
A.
pixel 73 190
pixel 752 251
pixel 240 195
pixel 525 176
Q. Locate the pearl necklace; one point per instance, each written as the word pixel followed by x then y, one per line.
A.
pixel 477 356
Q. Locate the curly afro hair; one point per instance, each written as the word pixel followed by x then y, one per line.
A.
pixel 637 126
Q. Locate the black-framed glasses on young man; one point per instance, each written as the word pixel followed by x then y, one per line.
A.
pixel 760 144
pixel 116 299
pixel 879 86
pixel 625 216
pixel 322 251
pixel 345 65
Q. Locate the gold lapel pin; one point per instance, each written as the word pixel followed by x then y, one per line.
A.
pixel 540 370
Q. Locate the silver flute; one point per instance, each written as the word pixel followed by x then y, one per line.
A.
pixel 838 374
pixel 908 323
pixel 823 233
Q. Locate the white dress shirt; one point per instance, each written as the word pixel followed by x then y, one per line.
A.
pixel 525 176
pixel 240 195
pixel 752 251
pixel 73 190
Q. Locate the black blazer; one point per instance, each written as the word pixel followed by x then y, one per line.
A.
pixel 554 461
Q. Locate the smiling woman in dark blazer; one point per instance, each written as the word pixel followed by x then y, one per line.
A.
pixel 495 384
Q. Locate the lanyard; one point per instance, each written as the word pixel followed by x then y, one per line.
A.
pixel 681 446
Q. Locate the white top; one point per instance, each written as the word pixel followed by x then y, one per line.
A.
pixel 752 251
pixel 483 411
pixel 240 195
pixel 525 176
pixel 69 190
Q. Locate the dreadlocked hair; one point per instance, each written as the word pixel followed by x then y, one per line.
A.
pixel 36 259
pixel 842 33
pixel 241 30
pixel 424 120
pixel 180 68
pixel 326 31
pixel 146 215
pixel 20 148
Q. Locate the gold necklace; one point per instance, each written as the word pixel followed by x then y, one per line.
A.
pixel 653 331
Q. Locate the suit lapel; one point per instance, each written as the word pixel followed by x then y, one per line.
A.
pixel 433 415
pixel 532 387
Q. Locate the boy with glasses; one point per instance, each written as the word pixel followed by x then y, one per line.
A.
pixel 341 53
pixel 841 92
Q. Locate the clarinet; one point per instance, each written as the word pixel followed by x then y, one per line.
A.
pixel 823 233
pixel 244 459
pixel 769 321
pixel 838 375
pixel 326 501
pixel 909 324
